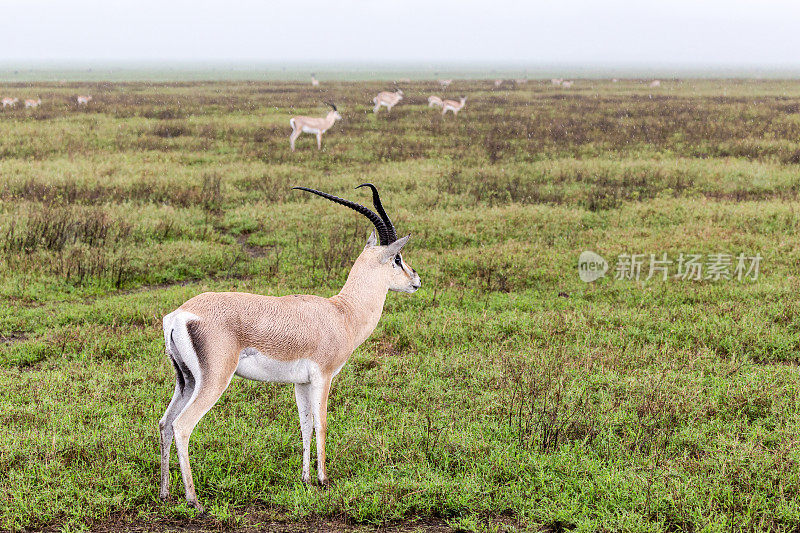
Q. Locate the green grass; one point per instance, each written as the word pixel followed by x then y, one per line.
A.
pixel 506 387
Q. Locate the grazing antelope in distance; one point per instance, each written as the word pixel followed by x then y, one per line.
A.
pixel 556 81
pixel 567 84
pixel 614 80
pixel 314 125
pixel 299 339
pixel 452 105
pixel 498 83
pixel 388 99
pixel 445 83
pixel 314 81
pixel 434 101
pixel 83 100
pixel 655 83
pixel 521 81
pixel 10 101
pixel 33 103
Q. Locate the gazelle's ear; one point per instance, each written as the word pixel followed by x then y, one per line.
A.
pixel 372 241
pixel 394 248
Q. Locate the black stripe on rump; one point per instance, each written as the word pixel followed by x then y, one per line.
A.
pixel 198 342
pixel 182 372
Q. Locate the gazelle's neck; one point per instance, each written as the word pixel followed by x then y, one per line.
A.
pixel 330 119
pixel 361 300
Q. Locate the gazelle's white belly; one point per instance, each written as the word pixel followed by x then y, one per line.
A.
pixel 307 129
pixel 259 367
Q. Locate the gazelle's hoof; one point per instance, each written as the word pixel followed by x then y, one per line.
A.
pixel 198 507
pixel 163 496
pixel 325 483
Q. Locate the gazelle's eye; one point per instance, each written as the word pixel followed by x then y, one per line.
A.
pixel 398 261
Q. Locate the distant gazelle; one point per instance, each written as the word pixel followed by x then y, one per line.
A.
pixel 567 84
pixel 83 100
pixel 498 83
pixel 445 83
pixel 434 101
pixel 556 81
pixel 387 99
pixel 33 103
pixel 655 83
pixel 10 101
pixel 314 81
pixel 300 339
pixel 452 105
pixel 314 125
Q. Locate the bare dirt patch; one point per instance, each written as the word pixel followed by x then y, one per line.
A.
pixel 249 249
pixel 13 337
pixel 256 520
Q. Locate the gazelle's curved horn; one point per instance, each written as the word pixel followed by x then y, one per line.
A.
pixel 332 105
pixel 376 201
pixel 377 221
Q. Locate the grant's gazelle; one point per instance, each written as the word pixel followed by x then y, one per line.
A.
pixel 299 339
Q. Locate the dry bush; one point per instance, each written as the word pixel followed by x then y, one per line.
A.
pixel 53 228
pixel 271 188
pixel 549 402
pixel 170 129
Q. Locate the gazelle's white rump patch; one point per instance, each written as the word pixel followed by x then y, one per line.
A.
pixel 178 342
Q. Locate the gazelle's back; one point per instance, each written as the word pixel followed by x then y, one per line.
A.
pixel 284 327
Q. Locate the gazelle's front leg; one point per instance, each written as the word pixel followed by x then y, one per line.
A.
pixel 319 406
pixel 302 393
pixel 319 140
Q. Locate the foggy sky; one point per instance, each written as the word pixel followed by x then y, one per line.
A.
pixel 714 32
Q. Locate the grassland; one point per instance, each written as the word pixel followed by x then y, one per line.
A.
pixel 505 394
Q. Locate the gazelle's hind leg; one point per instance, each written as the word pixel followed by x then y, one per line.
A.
pixel 209 369
pixel 184 387
pixel 208 391
pixel 293 137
